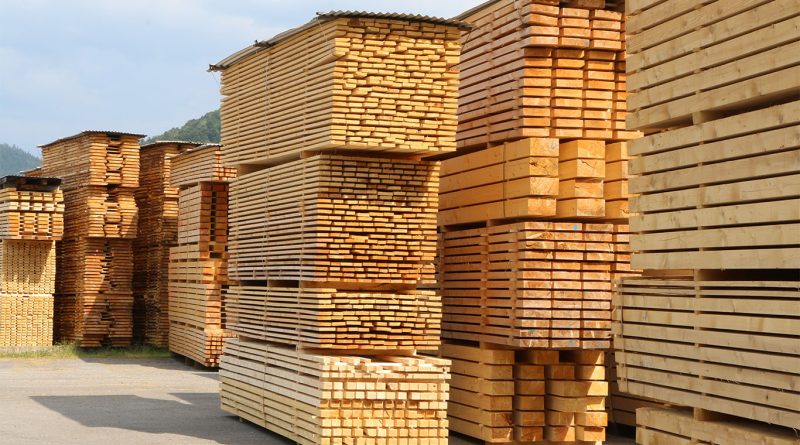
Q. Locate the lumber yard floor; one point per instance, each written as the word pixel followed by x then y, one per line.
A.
pixel 122 402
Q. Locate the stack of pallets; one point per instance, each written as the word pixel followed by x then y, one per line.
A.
pixel 714 325
pixel 332 251
pixel 31 220
pixel 533 220
pixel 157 201
pixel 198 261
pixel 94 295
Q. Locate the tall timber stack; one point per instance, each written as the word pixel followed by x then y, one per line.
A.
pixel 157 201
pixel 31 221
pixel 333 228
pixel 533 219
pixel 715 325
pixel 198 263
pixel 94 295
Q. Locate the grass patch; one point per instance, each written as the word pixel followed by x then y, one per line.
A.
pixel 71 350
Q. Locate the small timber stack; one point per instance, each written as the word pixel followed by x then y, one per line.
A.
pixel 533 217
pixel 198 263
pixel 31 221
pixel 333 228
pixel 94 295
pixel 157 201
pixel 715 324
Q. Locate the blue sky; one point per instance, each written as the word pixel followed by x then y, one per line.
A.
pixel 137 65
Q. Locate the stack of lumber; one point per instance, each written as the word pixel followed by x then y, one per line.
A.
pixel 527 396
pixel 333 218
pixel 31 221
pixel 322 399
pixel 714 326
pixel 534 218
pixel 31 208
pixel 333 228
pixel 622 406
pixel 537 69
pixel 532 284
pixel 197 263
pixel 157 202
pixel 382 83
pixel 94 295
pixel 537 178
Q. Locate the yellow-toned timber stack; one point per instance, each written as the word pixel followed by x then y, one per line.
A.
pixel 31 221
pixel 533 219
pixel 714 326
pixel 94 296
pixel 198 261
pixel 333 228
pixel 157 201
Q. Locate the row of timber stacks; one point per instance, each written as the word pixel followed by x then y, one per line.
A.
pixel 534 221
pixel 31 221
pixel 157 201
pixel 198 260
pixel 714 325
pixel 93 292
pixel 333 228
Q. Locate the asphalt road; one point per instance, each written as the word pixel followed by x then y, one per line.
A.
pixel 122 402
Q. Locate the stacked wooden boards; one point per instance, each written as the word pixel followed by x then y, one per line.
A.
pixel 332 251
pixel 718 177
pixel 31 220
pixel 381 85
pixel 537 69
pixel 198 261
pixel 94 295
pixel 157 202
pixel 534 217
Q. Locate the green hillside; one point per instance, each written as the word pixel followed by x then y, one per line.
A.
pixel 203 129
pixel 14 160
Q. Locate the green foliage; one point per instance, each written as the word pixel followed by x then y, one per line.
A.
pixel 14 160
pixel 204 129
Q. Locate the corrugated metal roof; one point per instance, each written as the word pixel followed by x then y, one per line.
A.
pixel 323 17
pixel 471 11
pixel 153 144
pixel 85 132
pixel 197 149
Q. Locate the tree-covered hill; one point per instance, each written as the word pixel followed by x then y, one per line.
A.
pixel 14 160
pixel 203 129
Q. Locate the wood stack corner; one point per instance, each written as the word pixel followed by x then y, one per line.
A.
pixel 31 221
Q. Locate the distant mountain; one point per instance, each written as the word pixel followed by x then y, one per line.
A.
pixel 14 160
pixel 203 129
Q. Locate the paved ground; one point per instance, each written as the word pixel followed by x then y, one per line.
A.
pixel 121 402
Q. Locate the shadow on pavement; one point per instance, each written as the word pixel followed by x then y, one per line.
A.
pixel 166 363
pixel 195 415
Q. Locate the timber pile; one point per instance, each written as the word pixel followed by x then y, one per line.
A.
pixel 157 231
pixel 534 217
pixel 197 264
pixel 536 178
pixel 322 399
pixel 365 82
pixel 94 295
pixel 332 252
pixel 533 284
pixel 31 220
pixel 527 396
pixel 536 69
pixel 332 218
pixel 718 231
